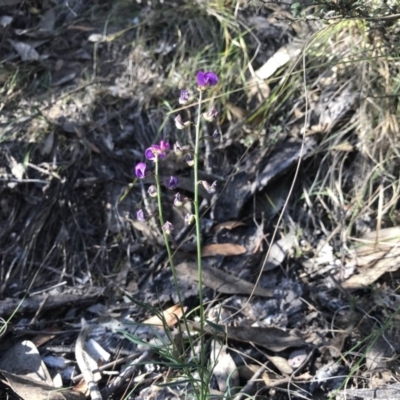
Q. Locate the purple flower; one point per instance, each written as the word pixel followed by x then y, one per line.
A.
pixel 185 97
pixel 211 114
pixel 152 191
pixel 156 150
pixel 140 170
pixel 140 216
pixel 167 228
pixel 206 79
pixel 172 183
pixel 180 124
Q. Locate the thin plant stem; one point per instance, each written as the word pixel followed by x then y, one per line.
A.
pixel 171 262
pixel 198 241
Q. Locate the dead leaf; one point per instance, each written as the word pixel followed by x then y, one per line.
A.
pixel 345 146
pixel 29 389
pixel 23 359
pixel 379 265
pixel 48 20
pixel 279 251
pixel 220 281
pixel 227 225
pixel 271 338
pixel 224 370
pixel 25 51
pixel 379 352
pixel 48 144
pixel 170 317
pixel 5 20
pixel 281 363
pixel 222 249
pixel 17 169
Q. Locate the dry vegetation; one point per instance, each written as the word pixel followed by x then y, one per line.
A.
pixel 301 242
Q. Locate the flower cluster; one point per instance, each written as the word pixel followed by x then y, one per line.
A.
pixel 157 152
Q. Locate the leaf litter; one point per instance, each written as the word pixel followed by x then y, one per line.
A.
pixel 82 102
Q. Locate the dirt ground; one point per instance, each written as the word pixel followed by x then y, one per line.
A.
pixel 300 241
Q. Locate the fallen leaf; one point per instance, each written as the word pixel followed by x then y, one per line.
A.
pixel 279 251
pixel 379 265
pixel 25 51
pixel 170 317
pixel 48 20
pixel 271 338
pixel 29 389
pixel 222 249
pixel 5 20
pixel 220 281
pixel 281 363
pixel 48 144
pixel 23 359
pixel 227 225
pixel 224 368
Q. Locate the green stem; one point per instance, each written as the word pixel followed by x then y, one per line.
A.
pixel 198 241
pixel 171 262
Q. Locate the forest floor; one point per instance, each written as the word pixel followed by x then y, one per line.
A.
pixel 300 241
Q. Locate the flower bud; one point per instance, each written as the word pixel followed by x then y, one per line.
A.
pixel 190 219
pixel 211 114
pixel 140 215
pixel 172 183
pixel 210 188
pixel 140 170
pixel 178 201
pixel 185 97
pixel 178 149
pixel 216 136
pixel 152 191
pixel 167 228
pixel 189 159
pixel 180 124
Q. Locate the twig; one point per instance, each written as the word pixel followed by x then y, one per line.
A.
pixel 248 388
pixel 84 366
pixel 120 379
pixel 108 365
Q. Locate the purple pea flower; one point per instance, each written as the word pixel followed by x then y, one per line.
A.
pixel 140 215
pixel 167 228
pixel 156 150
pixel 185 97
pixel 140 170
pixel 206 79
pixel 172 183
